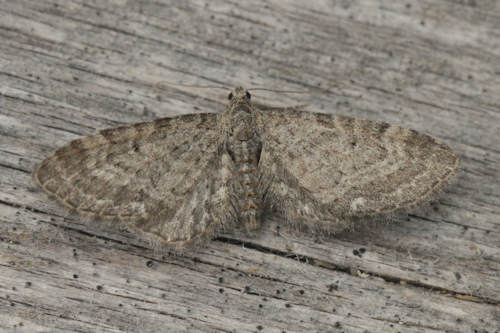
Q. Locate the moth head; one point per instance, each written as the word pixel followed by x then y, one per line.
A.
pixel 239 94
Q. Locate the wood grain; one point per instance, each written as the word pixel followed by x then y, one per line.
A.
pixel 71 67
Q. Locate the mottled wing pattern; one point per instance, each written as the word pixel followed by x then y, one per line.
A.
pixel 155 177
pixel 326 171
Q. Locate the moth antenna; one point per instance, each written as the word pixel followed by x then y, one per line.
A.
pixel 280 91
pixel 158 84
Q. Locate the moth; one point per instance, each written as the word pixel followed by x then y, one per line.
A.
pixel 184 179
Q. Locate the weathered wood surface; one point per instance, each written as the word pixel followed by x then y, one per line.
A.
pixel 70 67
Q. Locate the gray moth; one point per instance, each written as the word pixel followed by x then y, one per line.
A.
pixel 180 180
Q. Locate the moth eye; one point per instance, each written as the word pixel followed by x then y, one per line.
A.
pixel 248 95
pixel 230 97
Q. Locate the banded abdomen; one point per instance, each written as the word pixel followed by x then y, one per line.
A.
pixel 245 155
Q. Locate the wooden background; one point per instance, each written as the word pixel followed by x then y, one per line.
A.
pixel 70 67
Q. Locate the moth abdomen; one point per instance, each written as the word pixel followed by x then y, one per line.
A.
pixel 245 156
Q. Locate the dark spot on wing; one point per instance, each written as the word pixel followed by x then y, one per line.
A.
pixel 382 128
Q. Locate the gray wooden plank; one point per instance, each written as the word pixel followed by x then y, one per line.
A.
pixel 69 68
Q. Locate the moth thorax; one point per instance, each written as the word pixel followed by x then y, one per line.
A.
pixel 242 123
